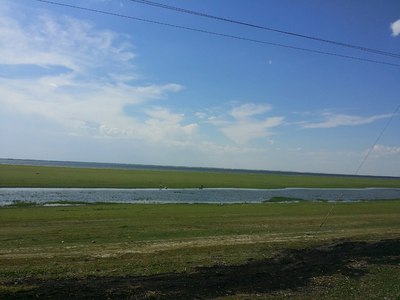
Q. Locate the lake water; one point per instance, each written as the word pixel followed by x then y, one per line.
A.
pixel 44 195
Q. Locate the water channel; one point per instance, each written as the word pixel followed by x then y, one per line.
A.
pixel 90 195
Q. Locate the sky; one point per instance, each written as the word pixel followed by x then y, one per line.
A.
pixel 82 86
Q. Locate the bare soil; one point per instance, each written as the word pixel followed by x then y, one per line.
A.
pixel 290 269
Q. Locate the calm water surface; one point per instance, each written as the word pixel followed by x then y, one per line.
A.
pixel 43 195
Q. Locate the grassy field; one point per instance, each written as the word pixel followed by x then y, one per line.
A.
pixel 35 176
pixel 264 251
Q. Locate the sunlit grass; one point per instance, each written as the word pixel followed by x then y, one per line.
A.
pixel 38 176
pixel 146 239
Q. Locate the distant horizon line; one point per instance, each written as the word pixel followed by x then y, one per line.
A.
pixel 132 166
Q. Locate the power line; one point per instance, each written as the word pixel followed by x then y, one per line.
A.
pixel 260 42
pixel 326 217
pixel 357 47
pixel 315 38
pixel 377 139
pixel 219 34
pixel 363 161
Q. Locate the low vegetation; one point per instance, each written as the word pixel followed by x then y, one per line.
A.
pixel 275 250
pixel 38 176
pixel 283 248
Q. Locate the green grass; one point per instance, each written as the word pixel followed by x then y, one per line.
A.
pixel 283 199
pixel 36 176
pixel 121 240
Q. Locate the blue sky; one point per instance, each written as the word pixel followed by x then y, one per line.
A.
pixel 76 85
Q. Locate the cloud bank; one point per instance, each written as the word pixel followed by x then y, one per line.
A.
pixel 82 78
pixel 75 82
pixel 69 90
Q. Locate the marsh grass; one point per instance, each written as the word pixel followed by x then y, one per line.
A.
pixel 37 176
pixel 18 203
pixel 283 200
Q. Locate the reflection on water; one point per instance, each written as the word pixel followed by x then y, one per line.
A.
pixel 43 195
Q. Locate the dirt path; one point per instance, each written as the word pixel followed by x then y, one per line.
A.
pixel 289 269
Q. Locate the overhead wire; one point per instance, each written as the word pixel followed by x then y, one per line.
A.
pixel 377 139
pixel 371 50
pixel 364 160
pixel 304 36
pixel 220 34
pixel 375 51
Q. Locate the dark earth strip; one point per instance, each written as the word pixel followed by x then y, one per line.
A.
pixel 289 269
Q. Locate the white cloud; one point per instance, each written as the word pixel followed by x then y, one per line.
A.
pixel 95 100
pixel 210 147
pixel 88 97
pixel 242 123
pixel 395 27
pixel 244 131
pixel 335 120
pixel 383 160
pixel 71 43
pixel 249 109
pixel 245 123
pixel 200 115
pixel 385 150
pixel 218 120
pixel 87 104
pixel 164 124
